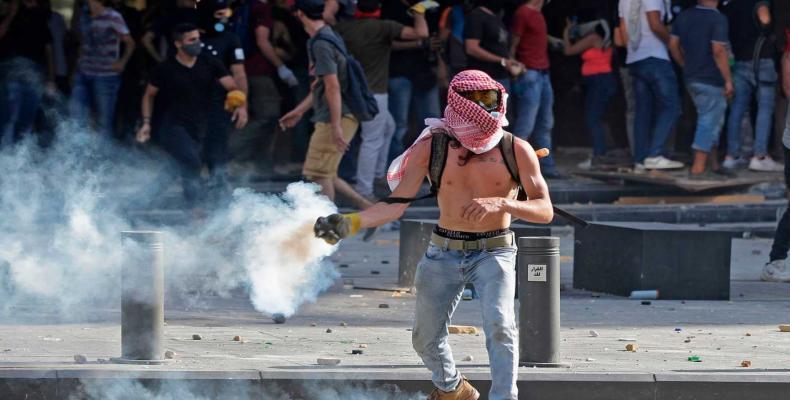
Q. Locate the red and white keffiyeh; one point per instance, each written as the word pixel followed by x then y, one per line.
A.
pixel 475 128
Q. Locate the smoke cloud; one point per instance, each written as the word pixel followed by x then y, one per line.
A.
pixel 63 207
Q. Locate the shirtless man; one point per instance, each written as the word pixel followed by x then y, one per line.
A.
pixel 477 200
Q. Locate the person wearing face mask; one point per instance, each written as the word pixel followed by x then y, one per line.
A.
pixel 472 242
pixel 221 43
pixel 183 86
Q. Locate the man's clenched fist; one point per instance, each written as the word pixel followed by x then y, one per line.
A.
pixel 336 227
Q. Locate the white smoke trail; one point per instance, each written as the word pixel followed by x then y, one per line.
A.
pixel 62 210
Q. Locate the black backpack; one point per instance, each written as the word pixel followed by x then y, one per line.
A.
pixel 440 140
pixel 357 96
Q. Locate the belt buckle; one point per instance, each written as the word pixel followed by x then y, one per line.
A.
pixel 471 245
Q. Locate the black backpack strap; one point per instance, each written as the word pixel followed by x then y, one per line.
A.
pixel 440 140
pixel 507 147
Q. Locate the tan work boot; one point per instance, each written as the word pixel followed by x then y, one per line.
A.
pixel 464 391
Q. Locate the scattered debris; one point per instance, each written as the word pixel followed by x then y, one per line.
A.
pixel 385 261
pixel 695 359
pixel 460 329
pixel 748 334
pixel 102 361
pixel 344 324
pixel 363 346
pixel 688 340
pixel 678 329
pixel 590 359
pixel 593 334
pixel 328 361
pixel 196 337
pixel 278 318
pixel 632 347
pixel 468 358
pixel 343 266
pixel 328 330
pixel 396 294
pixel 784 328
pixel 237 338
pixel 626 340
pixel 384 305
pixel 746 363
pixel 375 272
pixel 355 296
pixel 80 359
pixel 646 302
pixel 170 354
pixel 51 339
pixel 356 351
pixel 643 295
pixel 313 324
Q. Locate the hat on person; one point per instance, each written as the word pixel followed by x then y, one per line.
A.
pixel 314 9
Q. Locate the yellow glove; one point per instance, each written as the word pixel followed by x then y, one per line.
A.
pixel 336 227
pixel 234 100
pixel 423 6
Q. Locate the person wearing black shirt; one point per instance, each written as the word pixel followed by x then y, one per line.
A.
pixel 184 12
pixel 487 41
pixel 26 65
pixel 183 86
pixel 220 43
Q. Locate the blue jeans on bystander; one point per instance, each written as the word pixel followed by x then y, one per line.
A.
pixel 601 88
pixel 711 106
pixel 745 87
pixel 98 94
pixel 657 106
pixel 533 99
pixel 403 98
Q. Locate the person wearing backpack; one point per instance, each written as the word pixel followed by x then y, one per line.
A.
pixel 477 178
pixel 339 99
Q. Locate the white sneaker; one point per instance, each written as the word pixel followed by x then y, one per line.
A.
pixel 775 271
pixel 585 165
pixel 766 164
pixel 661 162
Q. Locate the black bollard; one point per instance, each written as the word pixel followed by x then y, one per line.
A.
pixel 142 298
pixel 539 298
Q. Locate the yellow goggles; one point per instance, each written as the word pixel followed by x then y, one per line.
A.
pixel 486 99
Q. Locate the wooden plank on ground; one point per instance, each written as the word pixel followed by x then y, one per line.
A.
pixel 721 199
pixel 678 179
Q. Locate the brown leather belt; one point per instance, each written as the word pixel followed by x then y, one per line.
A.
pixel 470 245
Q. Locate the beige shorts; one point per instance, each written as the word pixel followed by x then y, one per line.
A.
pixel 323 157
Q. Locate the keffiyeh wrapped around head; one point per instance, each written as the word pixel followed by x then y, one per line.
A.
pixel 476 129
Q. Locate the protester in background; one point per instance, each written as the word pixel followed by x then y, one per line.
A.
pixel 486 41
pixel 532 92
pixel 413 89
pixel 451 33
pixel 58 29
pixel 655 84
pixel 621 54
pixel 250 146
pixel 335 126
pixel 156 39
pixel 26 67
pixel 133 77
pixel 369 40
pixel 699 45
pixel 100 64
pixel 339 10
pixel 183 86
pixel 220 43
pixel 595 47
pixel 776 270
pixel 755 76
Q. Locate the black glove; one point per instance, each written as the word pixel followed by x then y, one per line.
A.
pixel 336 227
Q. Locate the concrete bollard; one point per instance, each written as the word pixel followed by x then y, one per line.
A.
pixel 539 301
pixel 142 298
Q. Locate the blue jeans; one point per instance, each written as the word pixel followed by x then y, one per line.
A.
pixel 601 88
pixel 180 142
pixel 533 98
pixel 403 97
pixel 657 106
pixel 745 86
pixel 19 102
pixel 711 106
pixel 441 277
pixel 98 94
